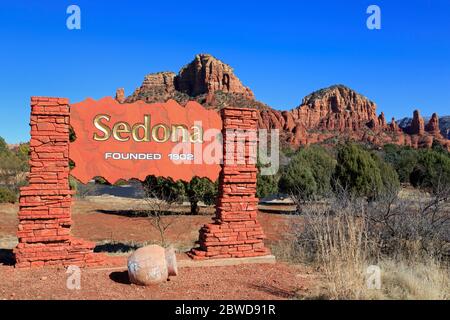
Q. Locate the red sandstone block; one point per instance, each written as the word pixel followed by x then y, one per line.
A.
pixel 217 227
pixel 252 241
pixel 44 175
pixel 194 256
pixel 49 169
pixel 259 245
pixel 210 244
pixel 35 143
pixel 36 163
pixel 52 135
pixel 40 98
pixel 239 169
pixel 41 180
pixel 48 103
pixel 63 231
pixel 30 199
pixel 44 192
pixel 30 212
pixel 50 149
pixel 245 248
pixel 44 239
pixel 40 110
pixel 254 233
pixel 53 155
pixel 246 213
pixel 238 199
pixel 246 180
pixel 24 234
pixel 242 237
pixel 53 162
pixel 45 126
pixel 59 211
pixel 199 252
pixel 227 239
pixel 37 264
pixel 45 232
pixel 224 234
pixel 221 256
pixel 63 101
pixel 33 226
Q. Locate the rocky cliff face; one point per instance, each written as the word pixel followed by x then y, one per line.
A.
pixel 206 79
pixel 206 75
pixel 326 115
pixel 157 87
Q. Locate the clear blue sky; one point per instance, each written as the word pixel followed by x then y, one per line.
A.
pixel 282 50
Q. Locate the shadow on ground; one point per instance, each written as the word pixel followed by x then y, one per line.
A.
pixel 116 247
pixel 139 213
pixel 124 213
pixel 120 277
pixel 7 257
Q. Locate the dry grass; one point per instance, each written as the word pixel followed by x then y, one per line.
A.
pixel 427 280
pixel 345 255
pixel 342 242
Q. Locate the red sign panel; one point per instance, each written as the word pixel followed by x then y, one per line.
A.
pixel 134 140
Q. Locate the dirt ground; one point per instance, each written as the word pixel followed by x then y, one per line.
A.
pixel 112 223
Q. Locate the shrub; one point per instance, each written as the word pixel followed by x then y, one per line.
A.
pixel 322 166
pixel 200 189
pixel 432 170
pixel 7 196
pixel 164 188
pixel 101 180
pixel 402 159
pixel 22 153
pixel 11 171
pixel 308 172
pixel 3 146
pixel 297 179
pixel 266 185
pixel 389 177
pixel 73 183
pixel 357 171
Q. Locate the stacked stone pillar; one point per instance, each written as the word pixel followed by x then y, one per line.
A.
pixel 235 232
pixel 44 215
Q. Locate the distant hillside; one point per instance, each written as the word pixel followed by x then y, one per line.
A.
pixel 444 124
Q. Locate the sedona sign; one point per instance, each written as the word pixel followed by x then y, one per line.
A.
pixel 134 140
pixel 124 141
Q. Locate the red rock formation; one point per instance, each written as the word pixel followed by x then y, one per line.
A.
pixel 433 126
pixel 157 87
pixel 207 74
pixel 336 112
pixel 382 120
pixel 335 108
pixel 120 95
pixel 417 124
pixel 394 126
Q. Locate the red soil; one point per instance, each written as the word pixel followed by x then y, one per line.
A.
pixel 109 220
